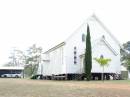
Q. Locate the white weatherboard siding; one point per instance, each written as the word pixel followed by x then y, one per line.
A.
pixel 75 40
pixel 102 49
pixel 111 49
pixel 54 62
pixel 60 59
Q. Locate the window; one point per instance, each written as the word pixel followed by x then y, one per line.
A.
pixel 83 37
pixel 75 62
pixel 75 52
pixel 103 36
pixel 75 55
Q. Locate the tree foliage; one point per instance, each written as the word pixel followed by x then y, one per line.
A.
pixel 88 55
pixel 30 59
pixel 103 62
pixel 33 58
pixel 125 55
pixel 16 58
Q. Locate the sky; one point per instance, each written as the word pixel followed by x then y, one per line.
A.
pixel 48 22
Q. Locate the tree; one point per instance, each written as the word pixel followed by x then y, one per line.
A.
pixel 125 55
pixel 29 59
pixel 17 58
pixel 103 62
pixel 33 59
pixel 88 56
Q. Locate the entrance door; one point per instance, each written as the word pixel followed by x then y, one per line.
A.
pixel 82 64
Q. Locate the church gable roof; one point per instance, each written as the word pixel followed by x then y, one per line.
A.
pixel 106 29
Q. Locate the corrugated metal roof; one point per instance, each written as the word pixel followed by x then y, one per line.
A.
pixel 11 68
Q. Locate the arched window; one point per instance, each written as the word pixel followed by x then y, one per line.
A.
pixel 83 37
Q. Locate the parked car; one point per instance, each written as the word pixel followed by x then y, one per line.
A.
pixel 12 75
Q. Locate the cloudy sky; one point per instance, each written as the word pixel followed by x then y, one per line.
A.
pixel 48 22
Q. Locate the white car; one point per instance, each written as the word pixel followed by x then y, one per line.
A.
pixel 12 75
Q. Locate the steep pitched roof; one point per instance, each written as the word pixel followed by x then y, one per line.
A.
pixel 100 23
pixel 106 29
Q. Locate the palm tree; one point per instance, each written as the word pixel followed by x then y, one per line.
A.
pixel 103 62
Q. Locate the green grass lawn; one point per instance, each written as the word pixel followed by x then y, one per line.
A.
pixel 44 88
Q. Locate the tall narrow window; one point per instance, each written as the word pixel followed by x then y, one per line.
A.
pixel 75 55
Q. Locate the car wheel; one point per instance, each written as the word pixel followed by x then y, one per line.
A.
pixel 16 76
pixel 5 75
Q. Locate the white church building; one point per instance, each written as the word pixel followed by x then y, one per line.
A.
pixel 66 58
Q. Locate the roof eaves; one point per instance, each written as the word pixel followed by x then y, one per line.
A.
pixel 55 47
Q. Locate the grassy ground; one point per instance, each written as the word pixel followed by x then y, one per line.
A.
pixel 44 88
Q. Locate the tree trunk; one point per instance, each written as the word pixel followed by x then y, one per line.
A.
pixel 103 74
